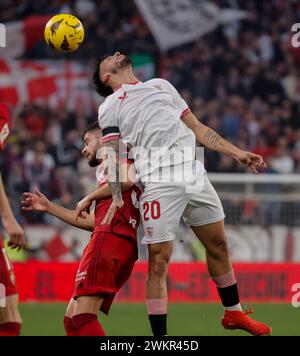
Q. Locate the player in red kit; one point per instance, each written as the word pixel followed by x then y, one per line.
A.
pixel 109 257
pixel 10 319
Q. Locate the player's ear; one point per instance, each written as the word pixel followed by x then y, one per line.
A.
pixel 105 77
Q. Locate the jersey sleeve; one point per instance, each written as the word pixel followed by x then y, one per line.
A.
pixel 108 124
pixel 179 101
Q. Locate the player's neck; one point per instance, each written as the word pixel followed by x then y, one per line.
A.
pixel 127 77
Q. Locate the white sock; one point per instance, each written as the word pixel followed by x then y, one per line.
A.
pixel 236 307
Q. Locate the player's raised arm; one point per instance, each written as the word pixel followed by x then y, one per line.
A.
pixel 10 224
pixel 39 202
pixel 212 140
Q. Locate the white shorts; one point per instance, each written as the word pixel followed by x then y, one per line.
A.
pixel 164 204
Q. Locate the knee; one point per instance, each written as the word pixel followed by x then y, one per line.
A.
pixel 159 266
pixel 218 246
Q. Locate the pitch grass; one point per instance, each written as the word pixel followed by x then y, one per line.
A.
pixel 184 319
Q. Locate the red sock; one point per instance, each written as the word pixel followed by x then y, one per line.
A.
pixel 69 326
pixel 88 325
pixel 10 329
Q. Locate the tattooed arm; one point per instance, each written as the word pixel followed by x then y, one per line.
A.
pixel 111 153
pixel 210 139
pixel 128 180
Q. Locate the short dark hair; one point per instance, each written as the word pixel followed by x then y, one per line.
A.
pixel 101 88
pixel 92 127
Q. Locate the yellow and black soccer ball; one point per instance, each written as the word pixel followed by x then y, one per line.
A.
pixel 64 33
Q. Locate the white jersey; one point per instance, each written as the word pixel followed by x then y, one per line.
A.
pixel 147 116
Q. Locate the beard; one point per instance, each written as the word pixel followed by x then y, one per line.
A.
pixel 125 62
pixel 94 161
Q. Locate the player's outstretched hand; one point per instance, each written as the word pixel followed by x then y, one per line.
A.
pixel 16 235
pixel 35 201
pixel 252 160
pixel 83 205
pixel 115 205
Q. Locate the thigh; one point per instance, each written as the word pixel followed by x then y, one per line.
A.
pixel 11 312
pixel 161 208
pixel 88 304
pixel 204 207
pixel 71 308
pixel 211 234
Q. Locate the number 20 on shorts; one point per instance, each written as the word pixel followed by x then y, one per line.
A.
pixel 151 209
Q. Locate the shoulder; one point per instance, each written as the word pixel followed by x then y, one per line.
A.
pixel 162 84
pixel 108 103
pixel 158 81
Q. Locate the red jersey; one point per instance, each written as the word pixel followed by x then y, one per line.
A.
pixel 126 220
pixel 5 124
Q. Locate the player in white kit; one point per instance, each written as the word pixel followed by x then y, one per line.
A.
pixel 161 130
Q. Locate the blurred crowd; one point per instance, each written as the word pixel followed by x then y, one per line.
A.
pixel 44 151
pixel 243 80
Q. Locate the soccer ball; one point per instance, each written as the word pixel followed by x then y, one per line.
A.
pixel 64 33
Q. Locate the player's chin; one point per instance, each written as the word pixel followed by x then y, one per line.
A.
pixel 125 61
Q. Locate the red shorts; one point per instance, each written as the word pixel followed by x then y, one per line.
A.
pixel 7 276
pixel 105 266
